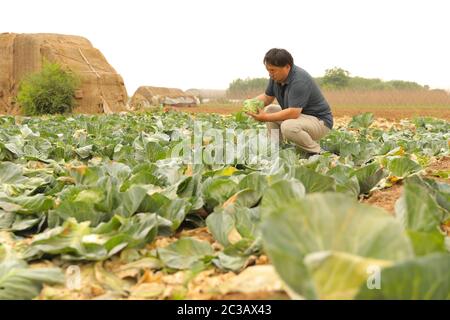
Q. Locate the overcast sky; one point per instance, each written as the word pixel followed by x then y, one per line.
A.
pixel 207 43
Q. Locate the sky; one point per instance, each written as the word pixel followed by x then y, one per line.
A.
pixel 209 43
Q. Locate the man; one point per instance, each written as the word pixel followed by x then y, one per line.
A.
pixel 303 116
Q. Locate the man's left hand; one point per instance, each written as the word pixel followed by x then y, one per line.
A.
pixel 260 116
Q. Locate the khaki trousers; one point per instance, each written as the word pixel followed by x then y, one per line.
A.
pixel 305 131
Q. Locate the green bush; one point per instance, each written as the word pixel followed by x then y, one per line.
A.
pixel 336 78
pixel 48 91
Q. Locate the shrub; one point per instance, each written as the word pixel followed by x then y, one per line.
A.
pixel 48 91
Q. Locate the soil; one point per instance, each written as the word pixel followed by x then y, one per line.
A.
pixel 385 198
pixel 440 165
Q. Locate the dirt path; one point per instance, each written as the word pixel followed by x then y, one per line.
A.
pixel 385 198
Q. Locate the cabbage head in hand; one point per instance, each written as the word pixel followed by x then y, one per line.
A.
pixel 252 105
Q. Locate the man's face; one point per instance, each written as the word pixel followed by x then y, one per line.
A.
pixel 278 74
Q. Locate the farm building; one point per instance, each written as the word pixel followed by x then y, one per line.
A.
pixel 146 96
pixel 102 89
pixel 208 95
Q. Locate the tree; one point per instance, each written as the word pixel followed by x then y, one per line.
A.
pixel 48 91
pixel 336 78
pixel 246 88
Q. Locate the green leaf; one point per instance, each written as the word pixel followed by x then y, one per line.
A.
pixel 84 152
pixel 229 263
pixel 191 188
pixel 22 223
pixel 141 177
pixel 439 190
pixel 282 192
pixel 140 229
pixel 245 198
pixel 221 225
pixel 363 120
pixel 19 282
pixel 154 151
pixel 427 242
pixel 109 280
pixel 247 221
pixel 11 173
pixel 9 206
pixel 313 181
pixel 424 278
pixel 153 202
pixel 369 176
pixel 217 190
pixel 185 253
pixel 339 275
pixel 131 200
pixel 175 211
pixel 255 181
pixel 345 182
pixel 27 204
pixel 417 209
pixel 327 222
pixel 80 211
pixel 123 153
pixel 88 176
pixel 66 239
pixel 234 224
pixel 77 241
pixel 402 167
pixel 6 219
pixel 444 174
pixel 90 196
pixel 118 170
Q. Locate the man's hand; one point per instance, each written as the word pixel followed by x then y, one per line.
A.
pixel 260 116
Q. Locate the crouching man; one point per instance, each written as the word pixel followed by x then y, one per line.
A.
pixel 303 116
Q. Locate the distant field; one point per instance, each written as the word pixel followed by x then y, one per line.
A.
pixel 388 112
pixel 353 97
pixel 388 97
pixel 390 104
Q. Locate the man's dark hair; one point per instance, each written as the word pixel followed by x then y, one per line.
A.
pixel 278 58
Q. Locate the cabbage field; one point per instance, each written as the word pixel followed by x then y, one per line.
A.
pixel 100 207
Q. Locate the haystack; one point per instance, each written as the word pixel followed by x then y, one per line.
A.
pixel 102 88
pixel 146 96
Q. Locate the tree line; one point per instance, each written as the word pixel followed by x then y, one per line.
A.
pixel 334 79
